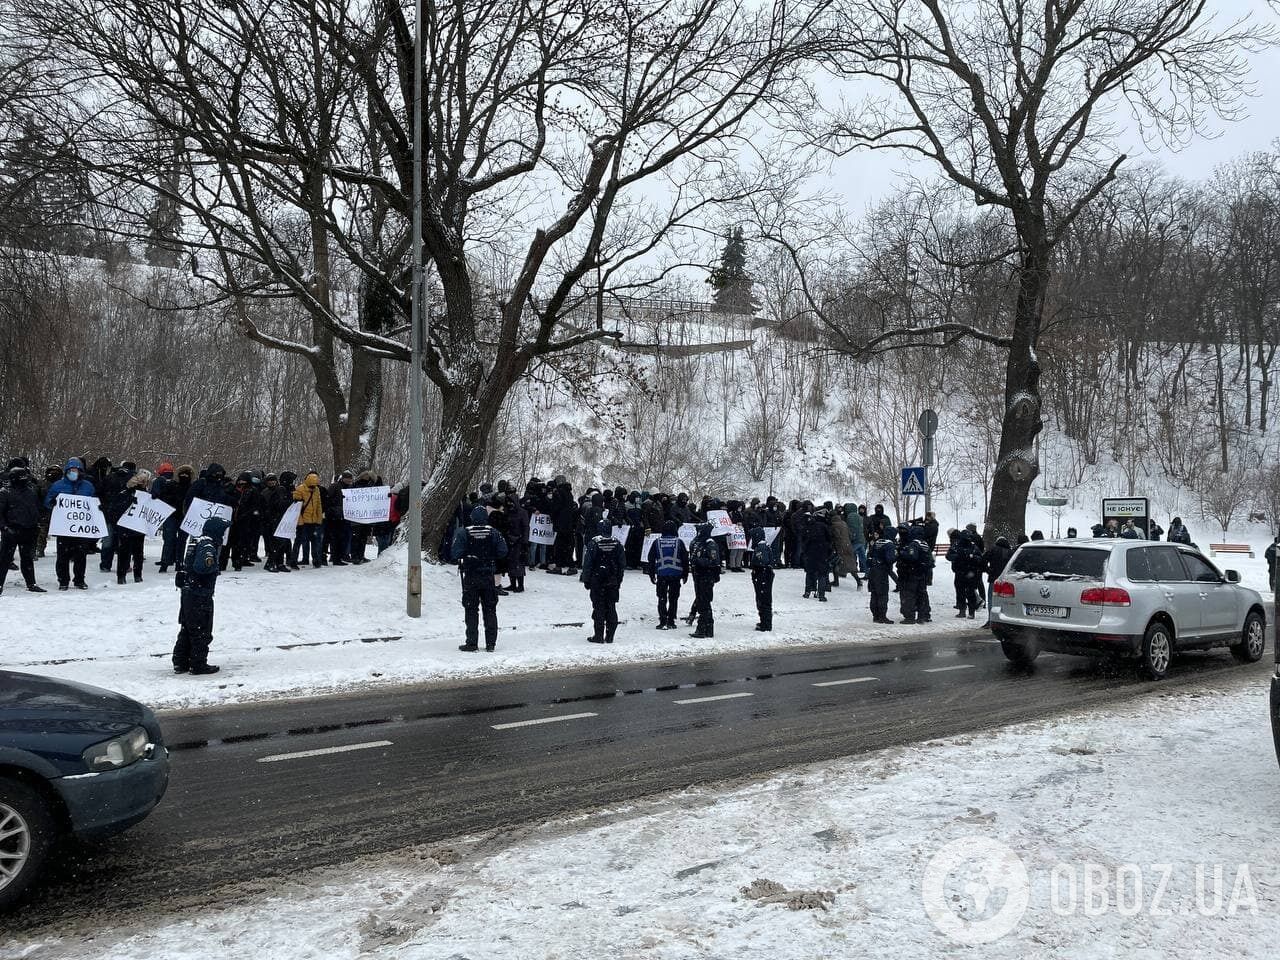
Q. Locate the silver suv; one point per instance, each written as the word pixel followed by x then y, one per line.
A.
pixel 1131 598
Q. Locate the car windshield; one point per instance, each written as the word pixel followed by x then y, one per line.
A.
pixel 1060 563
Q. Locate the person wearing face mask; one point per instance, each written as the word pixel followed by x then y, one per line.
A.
pixel 71 550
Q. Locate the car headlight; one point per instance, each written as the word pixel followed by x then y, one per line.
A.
pixel 120 752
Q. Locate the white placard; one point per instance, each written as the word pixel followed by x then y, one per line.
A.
pixel 771 534
pixel 687 532
pixel 77 516
pixel 287 528
pixel 721 525
pixel 649 540
pixel 147 514
pixel 737 538
pixel 200 511
pixel 540 530
pixel 620 534
pixel 366 504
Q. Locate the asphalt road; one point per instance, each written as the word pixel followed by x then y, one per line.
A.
pixel 267 790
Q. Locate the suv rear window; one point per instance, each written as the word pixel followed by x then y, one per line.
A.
pixel 1060 562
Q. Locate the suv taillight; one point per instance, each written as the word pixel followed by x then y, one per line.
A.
pixel 1105 597
pixel 1002 588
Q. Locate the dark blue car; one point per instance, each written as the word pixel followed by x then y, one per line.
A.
pixel 74 760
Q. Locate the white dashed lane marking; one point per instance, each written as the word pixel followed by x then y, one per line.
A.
pixel 958 666
pixel 534 723
pixel 841 683
pixel 723 696
pixel 303 754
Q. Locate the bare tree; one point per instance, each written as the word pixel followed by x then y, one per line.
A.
pixel 1010 100
pixel 607 130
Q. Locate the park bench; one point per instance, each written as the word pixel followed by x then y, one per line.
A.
pixel 1217 548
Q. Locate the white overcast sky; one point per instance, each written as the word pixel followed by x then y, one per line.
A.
pixel 866 177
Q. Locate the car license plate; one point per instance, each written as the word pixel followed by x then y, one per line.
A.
pixel 1051 613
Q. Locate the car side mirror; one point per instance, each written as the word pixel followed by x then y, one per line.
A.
pixel 1233 576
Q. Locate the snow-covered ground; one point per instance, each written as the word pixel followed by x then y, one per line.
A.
pixel 313 631
pixel 1150 821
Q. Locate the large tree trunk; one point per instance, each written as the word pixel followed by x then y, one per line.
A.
pixel 1017 467
pixel 466 420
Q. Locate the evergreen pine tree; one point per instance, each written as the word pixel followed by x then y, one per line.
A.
pixel 730 280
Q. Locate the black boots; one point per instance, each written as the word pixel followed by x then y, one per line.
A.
pixel 203 670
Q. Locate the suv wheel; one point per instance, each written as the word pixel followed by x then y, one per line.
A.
pixel 1157 651
pixel 1253 640
pixel 26 831
pixel 1020 651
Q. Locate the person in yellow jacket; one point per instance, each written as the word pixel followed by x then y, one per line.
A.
pixel 310 535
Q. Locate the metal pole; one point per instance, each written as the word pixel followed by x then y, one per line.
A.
pixel 413 517
pixel 928 464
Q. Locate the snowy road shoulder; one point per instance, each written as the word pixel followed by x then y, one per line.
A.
pixel 317 632
pixel 1132 828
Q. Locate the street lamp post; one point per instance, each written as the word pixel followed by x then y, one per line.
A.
pixel 417 323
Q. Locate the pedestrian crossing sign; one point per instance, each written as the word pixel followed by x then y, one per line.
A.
pixel 913 481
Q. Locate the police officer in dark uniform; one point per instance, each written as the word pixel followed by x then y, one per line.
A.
pixel 763 561
pixel 704 561
pixel 478 547
pixel 916 563
pixel 201 567
pixel 604 562
pixel 668 562
pixel 881 557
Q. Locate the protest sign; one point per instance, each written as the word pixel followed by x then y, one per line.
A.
pixel 540 529
pixel 200 511
pixel 649 541
pixel 737 539
pixel 620 534
pixel 366 504
pixel 771 534
pixel 77 516
pixel 287 528
pixel 720 522
pixel 687 532
pixel 147 515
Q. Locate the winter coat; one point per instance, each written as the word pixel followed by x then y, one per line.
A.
pixel 19 507
pixel 81 487
pixel 997 558
pixel 117 505
pixel 856 524
pixel 965 557
pixel 275 504
pixel 816 536
pixel 311 494
pixel 333 501
pixel 211 487
pixel 843 546
pixel 651 513
pixel 564 512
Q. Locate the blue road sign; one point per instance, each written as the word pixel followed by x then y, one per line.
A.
pixel 914 481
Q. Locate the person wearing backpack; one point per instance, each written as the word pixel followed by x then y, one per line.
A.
pixel 668 562
pixel 604 562
pixel 881 557
pixel 200 568
pixel 763 561
pixel 916 560
pixel 965 556
pixel 478 548
pixel 704 563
